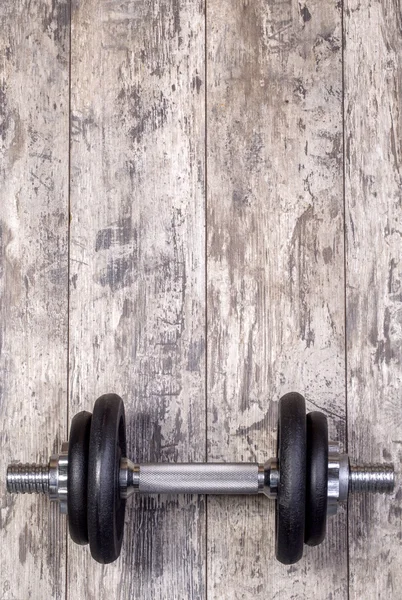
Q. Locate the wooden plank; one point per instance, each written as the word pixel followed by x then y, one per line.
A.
pixel 275 269
pixel 373 125
pixel 137 309
pixel 34 56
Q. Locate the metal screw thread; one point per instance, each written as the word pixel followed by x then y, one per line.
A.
pixel 28 478
pixel 378 478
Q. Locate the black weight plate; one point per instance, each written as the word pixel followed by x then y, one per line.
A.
pixel 316 478
pixel 78 452
pixel 105 507
pixel 291 498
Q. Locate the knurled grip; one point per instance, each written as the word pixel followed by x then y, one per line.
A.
pixel 199 478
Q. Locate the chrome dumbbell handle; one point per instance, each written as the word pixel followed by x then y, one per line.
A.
pixel 197 478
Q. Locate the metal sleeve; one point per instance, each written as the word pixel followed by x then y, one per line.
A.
pixel 199 478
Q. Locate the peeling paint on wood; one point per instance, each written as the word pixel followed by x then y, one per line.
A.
pixel 373 127
pixel 33 283
pixel 275 269
pixel 137 308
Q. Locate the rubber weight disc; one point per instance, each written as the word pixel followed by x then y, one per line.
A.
pixel 106 509
pixel 291 498
pixel 316 478
pixel 78 454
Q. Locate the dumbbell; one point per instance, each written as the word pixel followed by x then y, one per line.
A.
pixel 92 478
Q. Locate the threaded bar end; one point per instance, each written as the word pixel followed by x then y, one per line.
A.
pixel 28 478
pixel 377 479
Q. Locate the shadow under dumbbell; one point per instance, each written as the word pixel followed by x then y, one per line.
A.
pixel 157 522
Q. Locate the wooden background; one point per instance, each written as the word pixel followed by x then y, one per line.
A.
pixel 201 210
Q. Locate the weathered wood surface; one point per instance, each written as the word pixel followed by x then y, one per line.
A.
pixel 144 74
pixel 34 45
pixel 137 290
pixel 373 134
pixel 275 269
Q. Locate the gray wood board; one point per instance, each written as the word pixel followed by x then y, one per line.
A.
pixel 373 128
pixel 275 270
pixel 137 293
pixel 34 91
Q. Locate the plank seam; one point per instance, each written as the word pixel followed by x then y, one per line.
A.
pixel 345 276
pixel 68 253
pixel 206 275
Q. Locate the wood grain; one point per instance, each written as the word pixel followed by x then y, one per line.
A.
pixel 373 128
pixel 137 308
pixel 34 46
pixel 275 269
